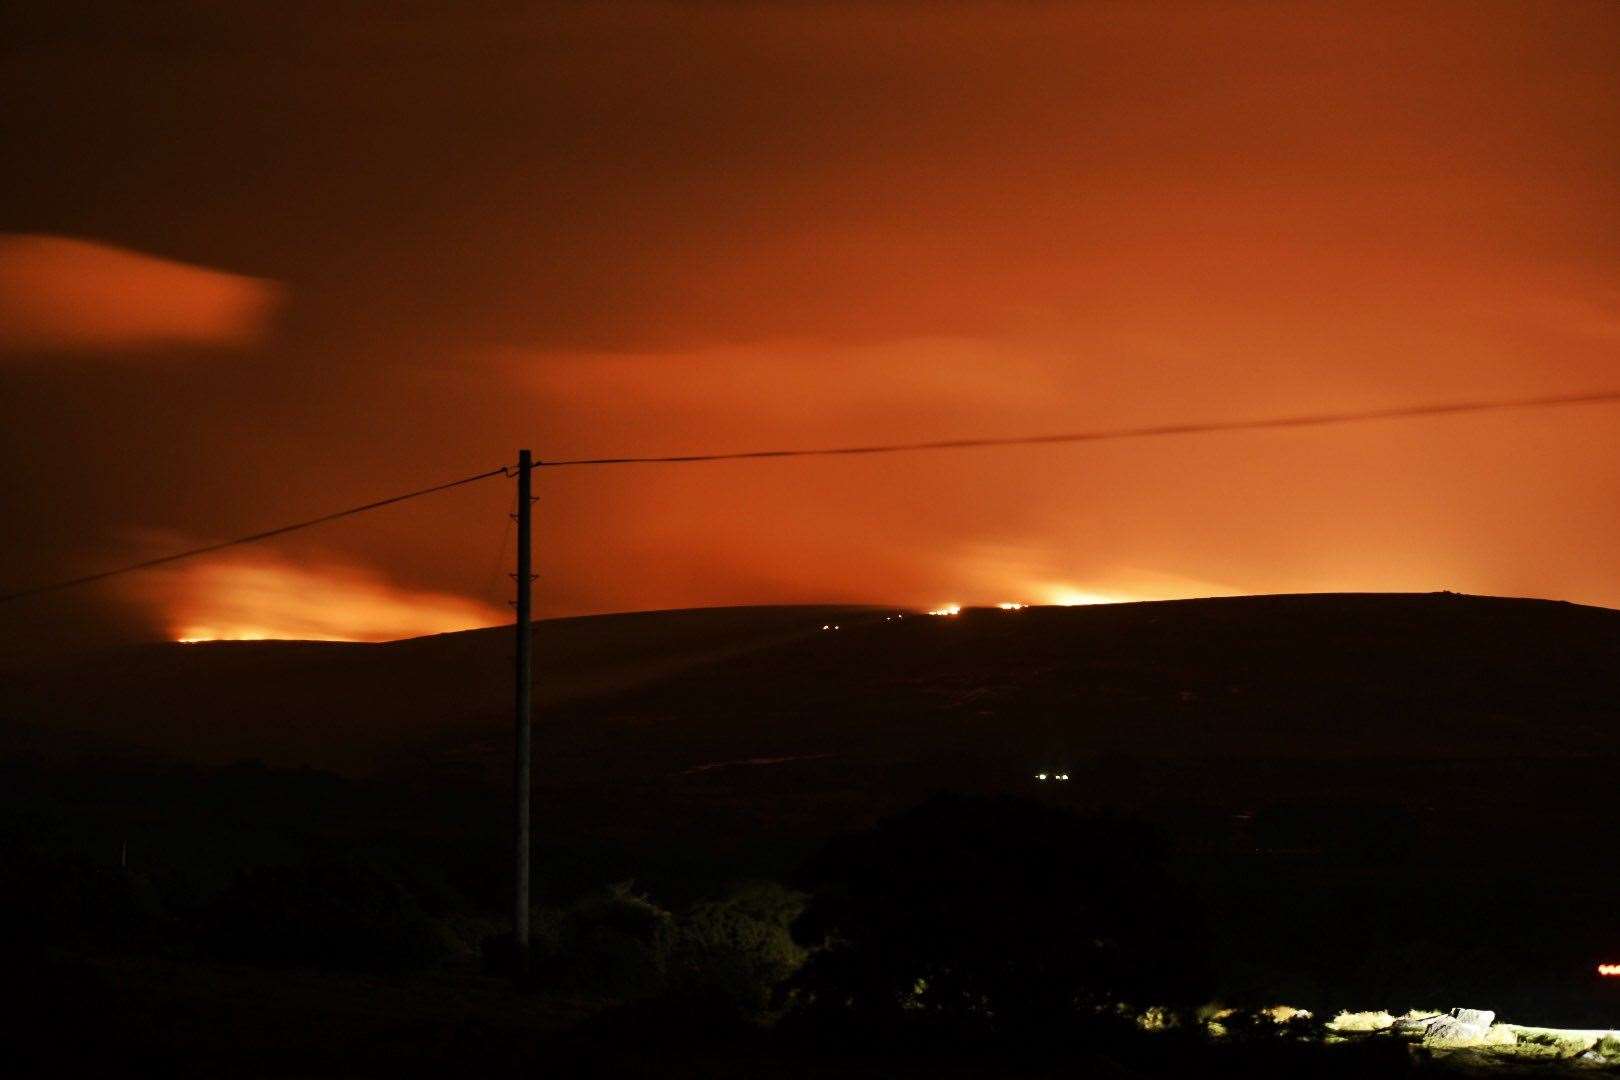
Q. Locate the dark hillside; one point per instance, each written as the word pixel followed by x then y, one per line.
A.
pixel 1369 792
pixel 357 708
pixel 1314 676
pixel 754 721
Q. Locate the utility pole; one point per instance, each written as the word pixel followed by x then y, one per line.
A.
pixel 523 707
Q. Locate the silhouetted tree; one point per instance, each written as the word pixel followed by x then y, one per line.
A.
pixel 997 914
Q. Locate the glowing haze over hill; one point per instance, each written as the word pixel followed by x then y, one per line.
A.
pixel 254 598
pixel 268 264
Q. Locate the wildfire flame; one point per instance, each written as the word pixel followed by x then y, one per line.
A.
pixel 948 609
pixel 261 598
pixel 1064 596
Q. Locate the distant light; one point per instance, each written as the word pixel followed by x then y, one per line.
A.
pixel 1040 776
pixel 826 627
pixel 1609 969
pixel 1011 606
pixel 948 609
pixel 1063 776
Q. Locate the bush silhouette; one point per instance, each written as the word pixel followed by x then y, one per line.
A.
pixel 617 942
pixel 613 942
pixel 996 915
pixel 726 956
pixel 342 912
pixel 738 949
pixel 59 899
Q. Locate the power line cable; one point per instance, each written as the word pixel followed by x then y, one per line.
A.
pixel 254 537
pixel 1309 420
pixel 495 574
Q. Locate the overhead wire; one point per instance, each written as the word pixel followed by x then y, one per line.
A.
pixel 495 572
pixel 252 538
pixel 1100 435
pixel 1105 434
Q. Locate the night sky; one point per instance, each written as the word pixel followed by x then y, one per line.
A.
pixel 261 262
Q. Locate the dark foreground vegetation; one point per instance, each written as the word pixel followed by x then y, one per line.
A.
pixel 968 936
pixel 1327 803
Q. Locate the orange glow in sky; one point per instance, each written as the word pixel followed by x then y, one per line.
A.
pixel 694 228
pixel 1064 596
pixel 58 293
pixel 254 598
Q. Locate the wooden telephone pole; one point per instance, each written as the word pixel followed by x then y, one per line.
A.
pixel 524 705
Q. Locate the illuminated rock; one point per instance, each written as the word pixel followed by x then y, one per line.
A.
pixel 1446 1029
pixel 1466 1027
pixel 1414 1025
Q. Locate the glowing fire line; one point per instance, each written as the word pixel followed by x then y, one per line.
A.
pixel 260 597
